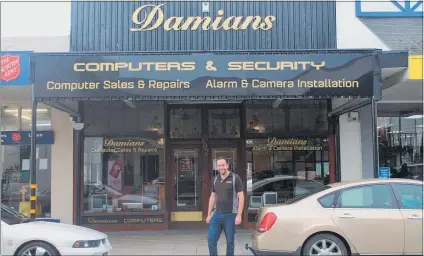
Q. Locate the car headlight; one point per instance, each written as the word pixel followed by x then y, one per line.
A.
pixel 87 244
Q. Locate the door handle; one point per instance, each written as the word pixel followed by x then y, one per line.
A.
pixel 346 216
pixel 415 217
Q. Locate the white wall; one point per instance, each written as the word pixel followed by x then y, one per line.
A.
pixel 62 168
pixel 350 149
pixel 351 32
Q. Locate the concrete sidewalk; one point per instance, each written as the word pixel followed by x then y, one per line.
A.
pixel 173 242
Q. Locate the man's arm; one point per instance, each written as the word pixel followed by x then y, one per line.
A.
pixel 211 203
pixel 240 196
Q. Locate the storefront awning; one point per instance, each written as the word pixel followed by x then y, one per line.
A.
pixel 206 76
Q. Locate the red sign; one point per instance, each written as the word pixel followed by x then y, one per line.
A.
pixel 185 165
pixel 115 170
pixel 16 137
pixel 10 67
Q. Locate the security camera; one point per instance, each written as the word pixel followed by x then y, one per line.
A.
pixel 77 126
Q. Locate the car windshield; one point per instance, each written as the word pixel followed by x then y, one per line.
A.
pixel 12 217
pixel 305 195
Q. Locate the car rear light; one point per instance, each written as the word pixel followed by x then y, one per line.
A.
pixel 267 222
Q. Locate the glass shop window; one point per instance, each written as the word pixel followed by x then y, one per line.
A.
pixel 123 175
pixel 15 190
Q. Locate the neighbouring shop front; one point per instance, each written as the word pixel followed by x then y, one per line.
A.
pixel 148 127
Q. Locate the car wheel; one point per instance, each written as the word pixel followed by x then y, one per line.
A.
pixel 324 244
pixel 37 248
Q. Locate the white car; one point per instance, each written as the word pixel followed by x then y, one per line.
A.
pixel 21 236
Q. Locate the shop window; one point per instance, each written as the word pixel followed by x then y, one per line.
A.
pixel 43 119
pixel 259 118
pixel 144 118
pixel 15 191
pixel 17 118
pixel 280 117
pixel 185 124
pixel 123 174
pixel 9 118
pixel 401 142
pixel 280 174
pixel 224 123
pixel 308 116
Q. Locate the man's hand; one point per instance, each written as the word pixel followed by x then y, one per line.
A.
pixel 238 220
pixel 208 219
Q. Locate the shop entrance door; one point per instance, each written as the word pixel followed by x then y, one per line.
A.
pixel 186 193
pixel 192 170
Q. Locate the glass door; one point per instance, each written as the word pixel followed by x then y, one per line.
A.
pixel 186 180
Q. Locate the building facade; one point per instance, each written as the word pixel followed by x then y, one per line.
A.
pixel 134 160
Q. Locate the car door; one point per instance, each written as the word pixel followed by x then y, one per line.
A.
pixel 370 219
pixel 410 200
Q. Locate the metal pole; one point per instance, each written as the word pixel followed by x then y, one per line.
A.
pixel 375 136
pixel 33 185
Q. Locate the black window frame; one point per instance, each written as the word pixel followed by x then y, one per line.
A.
pixel 392 197
pixel 398 201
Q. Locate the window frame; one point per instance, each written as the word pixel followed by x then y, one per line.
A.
pixel 392 197
pixel 398 201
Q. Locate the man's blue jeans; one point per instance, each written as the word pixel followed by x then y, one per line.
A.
pixel 220 221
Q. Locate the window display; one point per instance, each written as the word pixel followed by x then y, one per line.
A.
pixel 123 175
pixel 124 157
pixel 280 169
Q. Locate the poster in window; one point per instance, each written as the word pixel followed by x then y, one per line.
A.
pixel 114 174
pixel 185 165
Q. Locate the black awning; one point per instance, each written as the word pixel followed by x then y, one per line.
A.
pixel 206 76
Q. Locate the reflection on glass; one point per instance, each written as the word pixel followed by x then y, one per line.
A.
pixel 224 123
pixel 229 153
pixel 123 177
pixel 43 119
pixel 187 187
pixel 281 174
pixel 401 142
pixel 15 190
pixel 185 123
pixel 9 118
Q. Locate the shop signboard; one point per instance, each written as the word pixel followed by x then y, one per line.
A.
pixel 24 137
pixel 15 68
pixel 123 219
pixel 286 144
pixel 138 76
pixel 384 172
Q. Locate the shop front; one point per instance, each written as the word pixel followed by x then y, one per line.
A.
pixel 148 127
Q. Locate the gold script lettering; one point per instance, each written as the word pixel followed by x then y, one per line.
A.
pixel 150 17
pixel 112 143
pixel 92 220
pixel 273 141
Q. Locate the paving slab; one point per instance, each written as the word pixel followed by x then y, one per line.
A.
pixel 173 242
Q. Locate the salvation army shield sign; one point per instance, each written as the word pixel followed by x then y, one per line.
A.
pixel 10 67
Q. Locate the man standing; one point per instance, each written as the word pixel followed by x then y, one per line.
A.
pixel 227 198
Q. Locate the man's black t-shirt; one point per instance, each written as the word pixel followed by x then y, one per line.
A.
pixel 226 192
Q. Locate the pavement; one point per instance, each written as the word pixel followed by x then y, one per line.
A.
pixel 173 242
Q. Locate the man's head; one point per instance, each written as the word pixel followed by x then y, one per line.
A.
pixel 222 165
